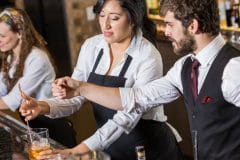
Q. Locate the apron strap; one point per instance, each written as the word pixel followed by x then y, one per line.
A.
pixel 125 67
pixel 97 60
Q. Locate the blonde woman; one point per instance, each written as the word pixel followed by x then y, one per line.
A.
pixel 24 60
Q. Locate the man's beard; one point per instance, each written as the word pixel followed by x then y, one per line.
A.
pixel 186 45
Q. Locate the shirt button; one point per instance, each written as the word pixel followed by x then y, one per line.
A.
pixel 193 116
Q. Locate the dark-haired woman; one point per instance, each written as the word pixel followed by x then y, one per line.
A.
pixel 122 56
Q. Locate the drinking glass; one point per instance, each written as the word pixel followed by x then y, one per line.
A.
pixel 140 152
pixel 38 142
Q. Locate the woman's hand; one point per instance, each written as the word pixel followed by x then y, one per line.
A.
pixel 80 150
pixel 65 87
pixel 51 154
pixel 29 107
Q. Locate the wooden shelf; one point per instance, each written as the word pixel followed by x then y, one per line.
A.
pixel 225 28
pixel 233 29
pixel 155 17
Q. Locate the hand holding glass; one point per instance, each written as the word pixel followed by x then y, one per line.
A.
pixel 39 142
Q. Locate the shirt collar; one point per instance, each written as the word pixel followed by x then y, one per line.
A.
pixel 135 42
pixel 209 52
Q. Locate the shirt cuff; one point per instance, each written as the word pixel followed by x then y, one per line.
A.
pixel 53 109
pixel 12 103
pixel 127 99
pixel 64 107
pixel 104 136
pixel 93 143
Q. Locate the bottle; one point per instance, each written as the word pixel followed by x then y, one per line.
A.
pixel 153 8
pixel 140 152
pixel 235 13
pixel 223 19
pixel 228 8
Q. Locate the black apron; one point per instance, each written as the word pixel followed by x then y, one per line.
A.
pixel 156 137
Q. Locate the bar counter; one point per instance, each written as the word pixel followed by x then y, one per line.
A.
pixel 13 145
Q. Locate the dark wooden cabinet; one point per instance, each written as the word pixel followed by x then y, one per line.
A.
pixel 6 3
pixel 48 16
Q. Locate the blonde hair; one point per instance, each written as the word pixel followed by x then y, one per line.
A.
pixel 19 22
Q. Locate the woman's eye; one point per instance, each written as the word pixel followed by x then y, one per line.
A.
pixel 115 18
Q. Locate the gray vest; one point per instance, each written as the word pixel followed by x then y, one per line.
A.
pixel 216 122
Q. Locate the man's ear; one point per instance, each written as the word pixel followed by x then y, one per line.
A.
pixel 193 27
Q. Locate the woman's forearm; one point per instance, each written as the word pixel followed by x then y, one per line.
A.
pixel 105 96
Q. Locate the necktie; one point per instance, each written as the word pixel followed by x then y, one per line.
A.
pixel 194 78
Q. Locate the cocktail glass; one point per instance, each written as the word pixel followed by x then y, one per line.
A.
pixel 38 142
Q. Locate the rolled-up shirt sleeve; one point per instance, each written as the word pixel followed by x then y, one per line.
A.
pixel 121 123
pixel 64 107
pixel 231 82
pixel 144 98
pixel 160 91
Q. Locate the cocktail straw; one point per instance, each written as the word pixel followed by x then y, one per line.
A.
pixel 28 127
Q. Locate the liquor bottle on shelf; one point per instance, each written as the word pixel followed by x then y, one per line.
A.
pixel 140 152
pixel 153 8
pixel 228 8
pixel 235 14
pixel 222 13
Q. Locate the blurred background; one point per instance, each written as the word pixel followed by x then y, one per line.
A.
pixel 65 24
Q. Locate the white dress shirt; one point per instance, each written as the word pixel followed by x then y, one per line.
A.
pixel 38 75
pixel 169 87
pixel 145 67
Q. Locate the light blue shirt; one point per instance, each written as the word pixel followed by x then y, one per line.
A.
pixel 38 75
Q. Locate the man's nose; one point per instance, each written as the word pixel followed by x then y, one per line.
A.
pixel 166 32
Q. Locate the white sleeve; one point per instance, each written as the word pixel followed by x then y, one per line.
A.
pixel 231 82
pixel 35 72
pixel 112 130
pixel 3 87
pixel 160 91
pixel 66 107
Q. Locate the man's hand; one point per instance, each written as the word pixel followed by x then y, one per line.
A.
pixel 65 88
